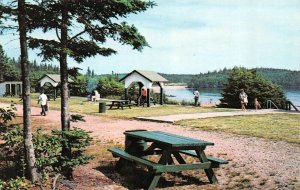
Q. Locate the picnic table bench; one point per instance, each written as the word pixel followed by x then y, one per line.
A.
pixel 119 104
pixel 165 145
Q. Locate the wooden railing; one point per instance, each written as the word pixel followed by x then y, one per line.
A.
pixel 270 103
pixel 289 105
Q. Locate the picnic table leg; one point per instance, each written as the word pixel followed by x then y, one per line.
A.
pixel 209 172
pixel 154 181
pixel 163 160
pixel 112 104
pixel 120 164
pixel 179 158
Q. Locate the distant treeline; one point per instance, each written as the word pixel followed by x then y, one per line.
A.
pixel 217 79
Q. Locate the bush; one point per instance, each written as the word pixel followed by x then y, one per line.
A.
pixel 7 114
pixel 254 85
pixel 110 86
pixel 48 149
pixel 75 141
pixel 13 184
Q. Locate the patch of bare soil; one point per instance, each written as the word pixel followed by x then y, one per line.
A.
pixel 254 163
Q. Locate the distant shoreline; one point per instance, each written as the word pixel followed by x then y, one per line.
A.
pixel 175 87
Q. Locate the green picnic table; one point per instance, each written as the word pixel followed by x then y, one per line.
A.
pixel 119 104
pixel 140 144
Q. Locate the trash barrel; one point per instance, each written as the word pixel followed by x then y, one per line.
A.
pixel 135 146
pixel 102 107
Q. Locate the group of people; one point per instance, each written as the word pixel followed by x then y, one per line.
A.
pixel 242 96
pixel 43 100
pixel 244 101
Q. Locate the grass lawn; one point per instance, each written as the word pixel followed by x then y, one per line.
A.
pixel 271 126
pixel 283 127
pixel 81 105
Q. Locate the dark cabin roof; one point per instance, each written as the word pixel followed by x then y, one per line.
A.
pixel 55 78
pixel 149 75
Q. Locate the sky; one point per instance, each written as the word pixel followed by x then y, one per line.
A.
pixel 197 36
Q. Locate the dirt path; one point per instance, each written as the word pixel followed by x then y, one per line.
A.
pixel 264 164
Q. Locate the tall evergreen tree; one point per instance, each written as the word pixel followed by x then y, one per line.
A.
pixel 3 63
pixel 9 71
pixel 28 144
pixel 18 12
pixel 99 21
pixel 88 72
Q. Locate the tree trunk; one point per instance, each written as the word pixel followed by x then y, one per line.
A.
pixel 28 144
pixel 65 117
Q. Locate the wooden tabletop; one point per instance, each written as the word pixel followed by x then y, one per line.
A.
pixel 167 139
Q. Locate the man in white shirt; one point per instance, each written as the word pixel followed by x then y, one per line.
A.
pixel 196 97
pixel 43 101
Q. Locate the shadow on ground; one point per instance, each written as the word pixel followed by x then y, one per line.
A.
pixel 139 178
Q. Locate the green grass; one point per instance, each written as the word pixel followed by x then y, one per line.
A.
pixel 81 105
pixel 271 126
pixel 283 127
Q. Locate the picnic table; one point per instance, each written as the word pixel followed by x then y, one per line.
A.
pixel 140 145
pixel 119 104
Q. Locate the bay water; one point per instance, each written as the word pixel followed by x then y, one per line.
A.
pixel 212 96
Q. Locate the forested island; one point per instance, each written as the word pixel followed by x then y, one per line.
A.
pixel 217 79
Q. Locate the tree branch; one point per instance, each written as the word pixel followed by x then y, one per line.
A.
pixel 57 35
pixel 80 33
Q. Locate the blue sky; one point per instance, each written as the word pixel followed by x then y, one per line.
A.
pixel 193 36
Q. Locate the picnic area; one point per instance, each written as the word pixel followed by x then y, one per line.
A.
pixel 251 151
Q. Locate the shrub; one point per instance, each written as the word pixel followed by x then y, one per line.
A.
pixel 7 114
pixel 110 86
pixel 13 184
pixel 75 141
pixel 48 149
pixel 254 85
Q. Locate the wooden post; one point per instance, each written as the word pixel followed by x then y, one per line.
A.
pixel 126 93
pixel 55 94
pixel 161 96
pixel 148 97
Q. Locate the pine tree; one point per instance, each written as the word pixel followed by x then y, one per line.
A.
pixel 3 64
pixel 99 21
pixel 88 72
pixel 17 12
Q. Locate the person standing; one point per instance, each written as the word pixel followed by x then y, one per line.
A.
pixel 244 99
pixel 43 100
pixel 144 96
pixel 196 97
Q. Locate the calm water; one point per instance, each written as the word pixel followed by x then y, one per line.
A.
pixel 213 95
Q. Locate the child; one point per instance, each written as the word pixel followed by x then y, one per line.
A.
pixel 256 104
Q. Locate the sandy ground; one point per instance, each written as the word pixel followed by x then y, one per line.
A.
pixel 263 163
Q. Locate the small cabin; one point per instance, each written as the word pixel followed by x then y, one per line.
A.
pixel 54 81
pixel 11 88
